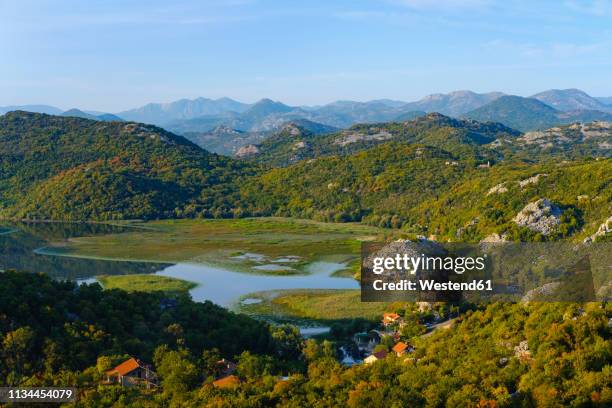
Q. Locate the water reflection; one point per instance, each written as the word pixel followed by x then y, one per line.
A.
pixel 20 240
pixel 222 286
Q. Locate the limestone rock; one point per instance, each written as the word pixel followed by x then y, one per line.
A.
pixel 540 216
pixel 248 150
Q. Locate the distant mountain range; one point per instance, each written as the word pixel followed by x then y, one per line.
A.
pixel 570 100
pixel 228 141
pixel 49 110
pixel 163 113
pixel 268 115
pixel 203 115
pixel 106 117
pixel 52 110
pixel 454 103
pixel 527 114
pixel 606 101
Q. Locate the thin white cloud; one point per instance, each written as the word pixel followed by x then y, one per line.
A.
pixel 594 7
pixel 564 50
pixel 438 5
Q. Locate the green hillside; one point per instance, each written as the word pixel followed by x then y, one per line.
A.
pixel 458 136
pixel 72 168
pixel 428 190
pixel 424 176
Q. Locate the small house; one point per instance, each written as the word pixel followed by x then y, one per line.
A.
pixel 374 357
pixel 390 318
pixel 131 373
pixel 230 381
pixel 401 348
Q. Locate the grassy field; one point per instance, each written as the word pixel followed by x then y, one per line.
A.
pixel 313 304
pixel 241 244
pixel 145 283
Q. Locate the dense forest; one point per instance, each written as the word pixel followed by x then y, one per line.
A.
pixel 504 355
pixel 433 175
pixel 424 190
pixel 69 168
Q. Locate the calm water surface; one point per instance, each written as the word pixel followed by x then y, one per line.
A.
pixel 219 285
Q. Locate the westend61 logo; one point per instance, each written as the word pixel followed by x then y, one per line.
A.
pixel 430 271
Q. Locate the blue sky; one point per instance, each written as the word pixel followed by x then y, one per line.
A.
pixel 113 55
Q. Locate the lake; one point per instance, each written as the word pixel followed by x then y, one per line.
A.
pixel 20 244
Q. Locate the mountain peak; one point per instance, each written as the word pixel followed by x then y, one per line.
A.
pixel 570 100
pixel 77 113
pixel 268 106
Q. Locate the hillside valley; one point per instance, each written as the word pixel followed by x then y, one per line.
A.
pixel 399 175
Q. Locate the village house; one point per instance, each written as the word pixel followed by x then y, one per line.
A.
pixel 374 357
pixel 132 373
pixel 390 318
pixel 227 382
pixel 401 348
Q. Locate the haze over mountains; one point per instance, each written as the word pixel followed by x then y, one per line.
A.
pixel 210 122
pixel 527 114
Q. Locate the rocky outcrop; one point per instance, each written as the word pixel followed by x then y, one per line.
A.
pixel 248 150
pixel 576 132
pixel 299 145
pixel 522 350
pixel 494 238
pixel 292 129
pixel 498 189
pixel 531 180
pixel 349 137
pixel 602 231
pixel 541 293
pixel 540 216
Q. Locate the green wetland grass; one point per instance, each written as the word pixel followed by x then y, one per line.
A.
pixel 323 305
pixel 145 283
pixel 228 243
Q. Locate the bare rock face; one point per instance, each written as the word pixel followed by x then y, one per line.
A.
pixel 498 189
pixel 540 216
pixel 348 137
pixel 602 231
pixel 532 180
pixel 541 292
pixel 248 150
pixel 494 238
pixel 299 145
pixel 600 131
pixel 522 350
pixel 292 129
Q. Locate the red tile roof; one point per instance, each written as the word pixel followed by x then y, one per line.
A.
pixel 400 347
pixel 125 368
pixel 390 316
pixel 225 382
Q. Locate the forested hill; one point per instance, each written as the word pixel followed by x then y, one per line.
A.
pixel 428 190
pixel 429 175
pixel 54 167
pixel 433 129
